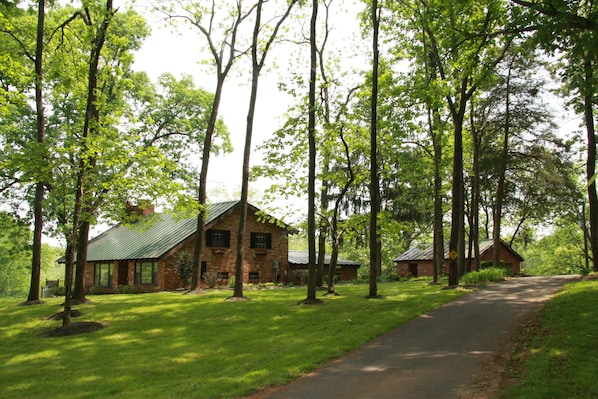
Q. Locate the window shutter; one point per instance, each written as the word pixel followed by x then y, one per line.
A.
pixel 227 238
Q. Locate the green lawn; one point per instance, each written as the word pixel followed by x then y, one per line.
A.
pixel 563 352
pixel 169 345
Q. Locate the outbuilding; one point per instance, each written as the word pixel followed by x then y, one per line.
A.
pixel 419 261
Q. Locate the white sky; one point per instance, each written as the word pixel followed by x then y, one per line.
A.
pixel 180 53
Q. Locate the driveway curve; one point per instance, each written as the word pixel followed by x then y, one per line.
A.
pixel 437 355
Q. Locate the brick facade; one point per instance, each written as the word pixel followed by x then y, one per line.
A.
pixel 425 267
pixel 259 266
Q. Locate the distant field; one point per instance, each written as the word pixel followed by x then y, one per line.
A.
pixel 169 345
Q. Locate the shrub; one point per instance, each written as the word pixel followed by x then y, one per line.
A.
pixel 127 289
pixel 483 276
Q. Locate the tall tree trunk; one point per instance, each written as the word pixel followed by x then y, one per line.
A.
pixel 255 74
pixel 203 178
pixel 333 260
pixel 311 131
pixel 86 165
pixel 323 226
pixel 79 289
pixel 591 157
pixel 374 183
pixel 438 211
pixel 456 242
pixel 475 195
pixel 222 70
pixel 34 288
pixel 500 190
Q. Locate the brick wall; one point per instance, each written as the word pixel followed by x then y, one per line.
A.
pixel 258 263
pixel 426 267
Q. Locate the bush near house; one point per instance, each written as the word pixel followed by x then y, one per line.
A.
pixel 483 276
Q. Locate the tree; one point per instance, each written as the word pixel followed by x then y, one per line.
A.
pixel 517 137
pixel 560 252
pixel 40 138
pixel 15 254
pixel 375 255
pixel 259 51
pixel 569 28
pixel 311 134
pixel 87 159
pixel 34 54
pixel 462 61
pixel 221 40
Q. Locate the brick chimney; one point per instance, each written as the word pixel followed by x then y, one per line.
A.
pixel 143 209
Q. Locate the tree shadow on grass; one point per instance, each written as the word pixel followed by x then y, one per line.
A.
pixel 82 327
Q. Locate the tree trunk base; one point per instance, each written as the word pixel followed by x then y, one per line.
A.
pixel 60 315
pixel 311 302
pixel 34 302
pixel 74 329
pixel 237 299
pixel 198 291
pixel 84 301
pixel 451 287
pixel 331 294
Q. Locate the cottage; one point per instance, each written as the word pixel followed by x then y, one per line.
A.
pixel 419 262
pixel 147 255
pixel 346 270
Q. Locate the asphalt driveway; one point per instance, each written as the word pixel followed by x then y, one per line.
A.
pixel 438 355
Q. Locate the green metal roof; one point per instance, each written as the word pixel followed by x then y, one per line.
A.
pixel 301 258
pixel 427 253
pixel 149 238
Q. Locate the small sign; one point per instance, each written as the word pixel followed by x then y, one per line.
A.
pixel 453 255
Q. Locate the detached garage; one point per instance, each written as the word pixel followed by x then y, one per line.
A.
pixel 418 261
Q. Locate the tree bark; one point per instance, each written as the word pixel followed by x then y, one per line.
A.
pixel 591 157
pixel 500 190
pixel 374 183
pixel 34 288
pixel 311 131
pixel 90 127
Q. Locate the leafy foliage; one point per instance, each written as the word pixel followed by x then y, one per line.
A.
pixel 15 255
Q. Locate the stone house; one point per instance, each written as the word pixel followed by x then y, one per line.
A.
pixel 418 262
pixel 146 255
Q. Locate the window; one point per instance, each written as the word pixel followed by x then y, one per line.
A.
pixel 261 240
pixel 102 275
pixel 254 275
pixel 222 276
pixel 146 272
pixel 217 238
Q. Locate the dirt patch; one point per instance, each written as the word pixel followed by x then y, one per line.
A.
pixel 60 315
pixel 82 327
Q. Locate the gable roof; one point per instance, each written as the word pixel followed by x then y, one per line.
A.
pixel 151 237
pixel 427 253
pixel 302 258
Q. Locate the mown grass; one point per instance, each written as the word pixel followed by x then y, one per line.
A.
pixel 561 357
pixel 170 345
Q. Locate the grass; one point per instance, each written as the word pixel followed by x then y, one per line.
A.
pixel 561 355
pixel 169 345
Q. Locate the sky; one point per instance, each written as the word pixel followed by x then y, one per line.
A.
pixel 180 53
